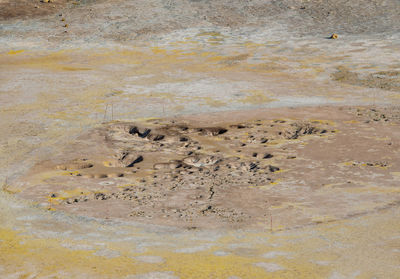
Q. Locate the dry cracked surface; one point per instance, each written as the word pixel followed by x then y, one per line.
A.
pixel 288 167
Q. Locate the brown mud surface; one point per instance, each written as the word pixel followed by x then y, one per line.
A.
pixel 25 9
pixel 289 167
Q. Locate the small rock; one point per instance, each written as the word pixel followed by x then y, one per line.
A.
pixel 273 169
pixel 334 36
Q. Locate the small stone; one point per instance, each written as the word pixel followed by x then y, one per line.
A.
pixel 334 36
pixel 273 169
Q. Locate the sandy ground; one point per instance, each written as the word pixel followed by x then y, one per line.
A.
pixel 199 139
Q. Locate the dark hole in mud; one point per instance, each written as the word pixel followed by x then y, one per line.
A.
pixel 238 126
pixel 252 166
pixel 159 137
pixel 135 130
pixel 222 131
pixel 137 160
pixel 267 156
pixel 273 169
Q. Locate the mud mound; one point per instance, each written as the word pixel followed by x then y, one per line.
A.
pixel 183 174
pixel 76 165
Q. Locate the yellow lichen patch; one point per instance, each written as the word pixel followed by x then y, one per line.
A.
pixel 46 257
pixel 9 189
pixel 347 164
pixel 213 102
pixel 108 164
pixel 372 189
pixel 43 176
pixel 208 266
pixel 231 60
pixel 67 115
pixel 215 40
pixel 158 50
pixel 263 187
pixel 275 182
pixel 323 219
pixel 395 96
pixel 66 194
pixel 49 257
pixel 380 138
pixel 280 170
pixel 179 108
pixel 396 175
pixel 351 122
pixel 324 122
pixel 187 41
pixel 15 51
pixel 208 53
pixel 210 33
pixel 147 119
pixel 215 59
pixel 180 52
pixel 256 97
pixel 70 68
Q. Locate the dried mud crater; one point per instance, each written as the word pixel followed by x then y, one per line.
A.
pixel 234 174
